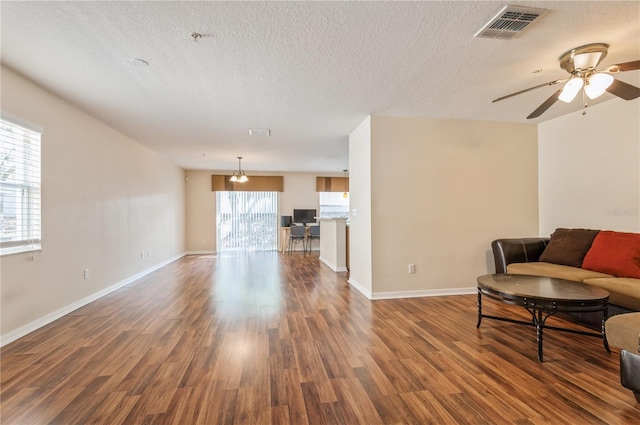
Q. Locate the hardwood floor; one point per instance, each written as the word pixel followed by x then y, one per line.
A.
pixel 272 338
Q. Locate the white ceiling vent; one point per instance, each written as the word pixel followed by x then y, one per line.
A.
pixel 263 132
pixel 510 22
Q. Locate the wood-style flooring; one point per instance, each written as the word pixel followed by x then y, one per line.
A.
pixel 269 338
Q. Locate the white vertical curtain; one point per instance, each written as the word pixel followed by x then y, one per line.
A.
pixel 247 221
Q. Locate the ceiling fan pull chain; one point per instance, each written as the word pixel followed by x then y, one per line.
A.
pixel 584 102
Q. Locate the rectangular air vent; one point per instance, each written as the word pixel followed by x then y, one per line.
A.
pixel 263 132
pixel 510 22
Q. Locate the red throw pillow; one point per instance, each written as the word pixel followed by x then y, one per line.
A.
pixel 615 253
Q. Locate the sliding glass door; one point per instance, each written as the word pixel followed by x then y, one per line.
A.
pixel 247 221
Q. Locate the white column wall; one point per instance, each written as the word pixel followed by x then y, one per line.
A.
pixel 360 229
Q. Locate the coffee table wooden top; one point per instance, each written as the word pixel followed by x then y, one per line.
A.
pixel 541 287
pixel 543 297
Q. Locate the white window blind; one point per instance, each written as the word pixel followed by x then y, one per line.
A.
pixel 20 228
pixel 247 221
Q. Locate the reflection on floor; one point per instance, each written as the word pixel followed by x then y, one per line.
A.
pixel 278 338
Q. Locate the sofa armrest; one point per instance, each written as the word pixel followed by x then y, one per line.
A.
pixel 630 372
pixel 517 250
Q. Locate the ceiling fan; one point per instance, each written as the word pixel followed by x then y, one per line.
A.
pixel 581 63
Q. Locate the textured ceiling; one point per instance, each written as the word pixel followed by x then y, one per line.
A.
pixel 309 71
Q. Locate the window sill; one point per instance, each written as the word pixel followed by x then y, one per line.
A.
pixel 19 250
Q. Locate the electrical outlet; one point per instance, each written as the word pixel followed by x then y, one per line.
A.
pixel 141 254
pixel 86 273
pixel 412 268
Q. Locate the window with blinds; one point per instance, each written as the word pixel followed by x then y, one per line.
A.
pixel 19 189
pixel 247 221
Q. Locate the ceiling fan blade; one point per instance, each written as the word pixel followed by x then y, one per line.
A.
pixel 545 105
pixel 622 67
pixel 550 83
pixel 624 90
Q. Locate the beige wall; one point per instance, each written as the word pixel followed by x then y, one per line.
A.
pixel 360 249
pixel 442 190
pixel 105 199
pixel 299 192
pixel 589 168
pixel 200 213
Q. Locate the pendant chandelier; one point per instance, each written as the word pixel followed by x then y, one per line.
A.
pixel 345 195
pixel 239 176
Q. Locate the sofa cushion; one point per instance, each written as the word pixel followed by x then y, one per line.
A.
pixel 623 291
pixel 568 246
pixel 554 270
pixel 615 253
pixel 623 331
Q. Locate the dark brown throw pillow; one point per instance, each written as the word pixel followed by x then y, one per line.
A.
pixel 568 246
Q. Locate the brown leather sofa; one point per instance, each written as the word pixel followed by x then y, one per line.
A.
pixel 522 256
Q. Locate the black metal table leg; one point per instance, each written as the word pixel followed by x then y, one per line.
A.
pixel 539 326
pixel 480 308
pixel 604 332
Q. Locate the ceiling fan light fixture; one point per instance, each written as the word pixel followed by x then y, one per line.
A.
pixel 583 58
pixel 597 84
pixel 586 61
pixel 581 64
pixel 571 89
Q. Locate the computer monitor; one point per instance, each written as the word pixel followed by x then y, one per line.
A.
pixel 304 216
pixel 285 221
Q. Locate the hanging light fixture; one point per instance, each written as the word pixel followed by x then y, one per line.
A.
pixel 597 84
pixel 594 85
pixel 239 176
pixel 571 89
pixel 345 195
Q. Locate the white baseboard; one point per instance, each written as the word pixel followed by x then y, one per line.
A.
pixel 200 253
pixel 38 323
pixel 411 294
pixel 423 293
pixel 364 291
pixel 333 267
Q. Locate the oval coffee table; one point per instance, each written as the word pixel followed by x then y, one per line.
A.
pixel 543 297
